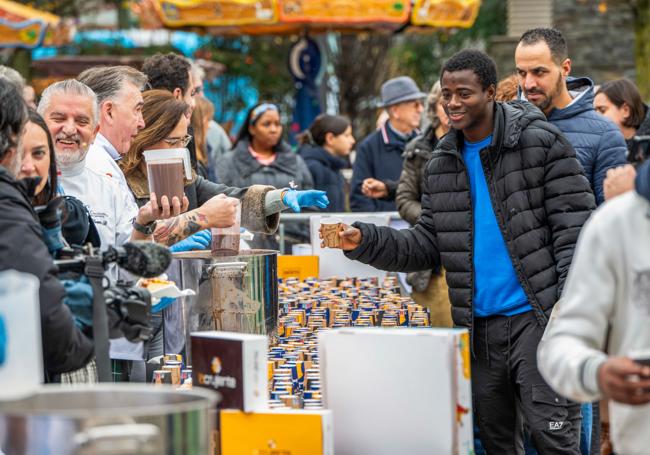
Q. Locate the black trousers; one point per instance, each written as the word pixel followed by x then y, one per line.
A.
pixel 509 392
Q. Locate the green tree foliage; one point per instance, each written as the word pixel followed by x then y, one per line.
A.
pixel 260 60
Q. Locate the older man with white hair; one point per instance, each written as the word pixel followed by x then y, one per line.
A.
pixel 70 111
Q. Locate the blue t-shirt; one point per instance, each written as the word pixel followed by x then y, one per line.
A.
pixel 497 290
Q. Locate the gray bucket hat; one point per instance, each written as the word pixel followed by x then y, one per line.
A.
pixel 398 90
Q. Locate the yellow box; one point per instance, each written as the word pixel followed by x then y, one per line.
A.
pixel 301 267
pixel 294 432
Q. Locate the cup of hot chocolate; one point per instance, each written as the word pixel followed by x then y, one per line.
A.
pixel 166 171
pixel 329 229
pixel 225 241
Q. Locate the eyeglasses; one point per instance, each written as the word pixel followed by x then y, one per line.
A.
pixel 178 141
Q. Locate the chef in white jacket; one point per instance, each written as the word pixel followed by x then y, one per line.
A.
pixel 598 336
pixel 70 111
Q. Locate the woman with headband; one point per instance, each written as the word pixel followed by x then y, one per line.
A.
pixel 261 157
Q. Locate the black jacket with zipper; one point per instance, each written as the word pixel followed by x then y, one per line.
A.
pixel 540 197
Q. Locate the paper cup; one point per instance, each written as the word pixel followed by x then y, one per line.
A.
pixel 330 228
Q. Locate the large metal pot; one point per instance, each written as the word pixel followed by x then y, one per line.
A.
pixel 233 293
pixel 109 419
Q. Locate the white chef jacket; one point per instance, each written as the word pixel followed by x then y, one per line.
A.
pixel 106 203
pixel 104 200
pixel 102 158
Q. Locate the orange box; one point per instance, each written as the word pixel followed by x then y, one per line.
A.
pixel 295 432
pixel 301 267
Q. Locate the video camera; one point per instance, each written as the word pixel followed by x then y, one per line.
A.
pixel 640 149
pixel 117 309
pixel 129 307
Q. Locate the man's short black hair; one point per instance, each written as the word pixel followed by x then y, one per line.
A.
pixel 477 61
pixel 553 39
pixel 13 116
pixel 168 72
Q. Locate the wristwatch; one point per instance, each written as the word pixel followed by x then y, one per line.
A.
pixel 146 229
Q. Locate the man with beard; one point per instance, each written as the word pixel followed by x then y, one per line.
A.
pixel 543 68
pixel 70 111
pixel 22 247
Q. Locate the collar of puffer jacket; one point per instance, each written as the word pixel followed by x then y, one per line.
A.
pixel 510 119
pixel 582 94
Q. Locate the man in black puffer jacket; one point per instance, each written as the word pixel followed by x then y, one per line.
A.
pixel 505 199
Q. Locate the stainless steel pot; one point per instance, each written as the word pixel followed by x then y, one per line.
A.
pixel 111 419
pixel 234 293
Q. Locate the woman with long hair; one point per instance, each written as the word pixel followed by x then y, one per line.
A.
pixel 325 147
pixel 39 163
pixel 199 126
pixel 38 159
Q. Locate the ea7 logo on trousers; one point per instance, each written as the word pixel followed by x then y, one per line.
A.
pixel 555 426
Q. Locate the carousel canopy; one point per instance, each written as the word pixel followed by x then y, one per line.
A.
pixel 290 16
pixel 23 26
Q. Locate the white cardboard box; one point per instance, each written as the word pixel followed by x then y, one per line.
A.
pixel 398 391
pixel 233 364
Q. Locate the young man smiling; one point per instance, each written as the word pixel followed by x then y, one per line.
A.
pixel 504 201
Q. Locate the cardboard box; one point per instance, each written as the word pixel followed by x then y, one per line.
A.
pixel 281 432
pixel 394 391
pixel 233 364
pixel 301 267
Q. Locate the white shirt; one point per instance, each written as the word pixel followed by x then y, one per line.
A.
pixel 103 198
pixel 105 201
pixel 102 158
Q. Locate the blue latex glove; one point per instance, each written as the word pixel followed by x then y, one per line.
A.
pixel 162 304
pixel 199 241
pixel 3 341
pixel 79 298
pixel 309 198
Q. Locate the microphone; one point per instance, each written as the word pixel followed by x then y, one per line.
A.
pixel 145 259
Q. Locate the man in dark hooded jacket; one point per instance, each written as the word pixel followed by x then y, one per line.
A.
pixel 22 247
pixel 543 68
pixel 504 201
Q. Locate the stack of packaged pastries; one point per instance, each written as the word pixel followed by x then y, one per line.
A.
pixel 307 307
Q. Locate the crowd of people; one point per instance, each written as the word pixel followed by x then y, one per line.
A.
pixel 502 190
pixel 502 187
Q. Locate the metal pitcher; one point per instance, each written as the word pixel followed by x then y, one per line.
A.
pixel 234 293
